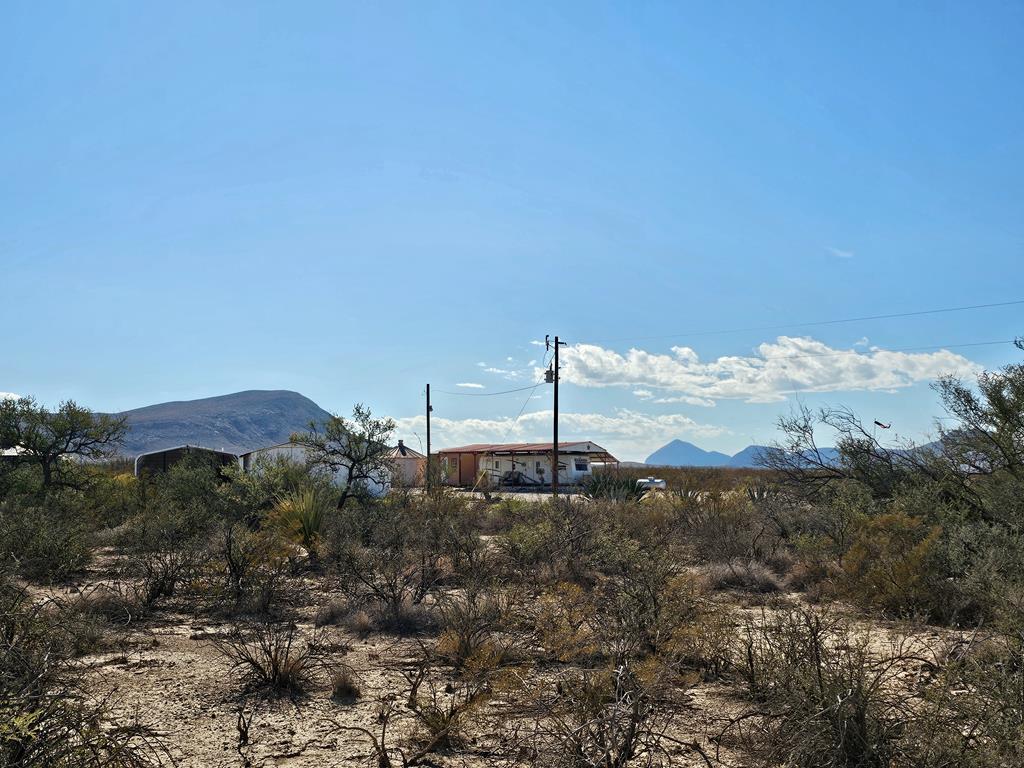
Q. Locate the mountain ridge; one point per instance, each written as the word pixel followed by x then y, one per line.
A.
pixel 236 422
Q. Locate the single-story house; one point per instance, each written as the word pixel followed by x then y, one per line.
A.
pixel 521 463
pixel 162 460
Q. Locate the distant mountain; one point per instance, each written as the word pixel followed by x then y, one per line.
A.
pixel 237 423
pixel 748 457
pixel 679 453
pixel 682 454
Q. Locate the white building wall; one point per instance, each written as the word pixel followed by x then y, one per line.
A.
pixel 537 467
pixel 297 453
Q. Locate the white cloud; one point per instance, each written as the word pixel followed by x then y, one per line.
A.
pixel 9 396
pixel 703 402
pixel 839 253
pixel 643 394
pixel 469 385
pixel 789 364
pixel 627 434
pixel 505 373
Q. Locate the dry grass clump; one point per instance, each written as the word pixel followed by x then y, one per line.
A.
pixel 345 686
pixel 746 575
pixel 366 617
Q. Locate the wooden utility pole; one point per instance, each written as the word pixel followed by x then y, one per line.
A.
pixel 554 444
pixel 429 409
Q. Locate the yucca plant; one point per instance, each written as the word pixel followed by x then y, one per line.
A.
pixel 302 515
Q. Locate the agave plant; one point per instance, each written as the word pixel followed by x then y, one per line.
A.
pixel 613 487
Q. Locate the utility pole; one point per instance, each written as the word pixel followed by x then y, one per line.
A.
pixel 429 409
pixel 552 376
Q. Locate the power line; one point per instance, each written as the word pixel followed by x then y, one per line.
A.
pixel 889 316
pixel 489 394
pixel 526 402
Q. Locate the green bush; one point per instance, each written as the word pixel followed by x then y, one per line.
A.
pixel 47 540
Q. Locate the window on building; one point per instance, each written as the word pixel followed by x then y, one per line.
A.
pixel 497 464
pixel 581 465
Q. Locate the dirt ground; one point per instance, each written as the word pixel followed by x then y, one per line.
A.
pixel 167 674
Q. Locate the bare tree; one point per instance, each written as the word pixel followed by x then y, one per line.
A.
pixel 808 468
pixel 355 449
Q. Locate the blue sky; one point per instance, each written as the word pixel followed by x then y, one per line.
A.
pixel 352 199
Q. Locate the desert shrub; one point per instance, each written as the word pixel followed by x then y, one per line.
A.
pixel 252 566
pixel 404 618
pixel 115 498
pixel 655 612
pixel 564 623
pixel 889 564
pixel 725 526
pixel 610 717
pixel 48 540
pixel 390 561
pixel 254 492
pixel 973 712
pixel 331 612
pixel 442 710
pixel 563 540
pixel 269 656
pixel 165 546
pixel 500 516
pixel 45 720
pixel 470 626
pixel 361 623
pixel 823 696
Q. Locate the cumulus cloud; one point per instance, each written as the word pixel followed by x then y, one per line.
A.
pixel 789 364
pixel 627 434
pixel 643 394
pixel 469 385
pixel 8 396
